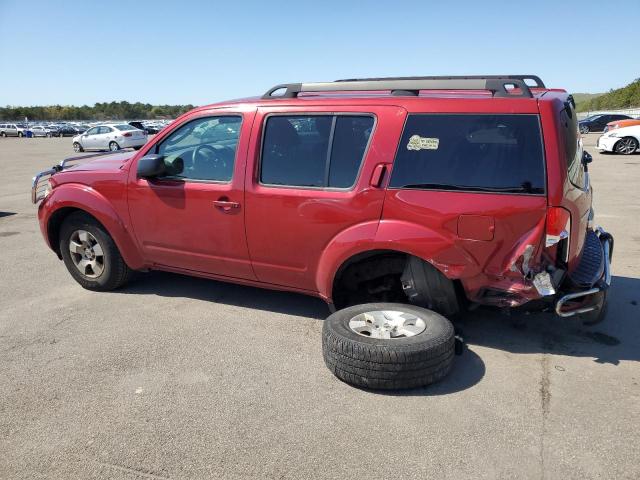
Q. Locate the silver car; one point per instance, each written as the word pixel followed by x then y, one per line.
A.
pixel 13 130
pixel 42 131
pixel 110 137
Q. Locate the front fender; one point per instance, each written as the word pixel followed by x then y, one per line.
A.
pixel 85 198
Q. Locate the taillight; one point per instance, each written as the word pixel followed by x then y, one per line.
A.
pixel 558 229
pixel 128 134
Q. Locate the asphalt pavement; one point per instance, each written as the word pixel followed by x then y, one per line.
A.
pixel 178 377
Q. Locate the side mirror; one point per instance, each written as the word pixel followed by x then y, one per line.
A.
pixel 151 166
pixel 586 158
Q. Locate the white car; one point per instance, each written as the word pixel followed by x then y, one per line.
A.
pixel 42 131
pixel 110 137
pixel 621 140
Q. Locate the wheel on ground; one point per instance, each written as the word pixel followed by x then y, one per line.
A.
pixel 584 129
pixel 48 135
pixel 114 147
pixel 3 134
pixel 77 147
pixel 388 345
pixel 626 146
pixel 91 255
pixel 20 134
pixel 598 315
pixel 137 148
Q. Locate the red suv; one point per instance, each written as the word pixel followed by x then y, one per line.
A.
pixel 436 191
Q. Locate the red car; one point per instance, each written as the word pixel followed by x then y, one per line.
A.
pixel 437 191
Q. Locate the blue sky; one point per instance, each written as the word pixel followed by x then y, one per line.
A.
pixel 183 51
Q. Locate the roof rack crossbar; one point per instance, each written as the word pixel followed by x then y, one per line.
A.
pixel 498 86
pixel 534 78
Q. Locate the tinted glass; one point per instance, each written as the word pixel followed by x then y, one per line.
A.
pixel 93 131
pixel 314 150
pixel 204 148
pixel 350 141
pixel 499 153
pixel 124 128
pixel 572 142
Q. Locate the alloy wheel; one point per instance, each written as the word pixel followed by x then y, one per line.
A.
pixel 86 253
pixel 626 146
pixel 387 324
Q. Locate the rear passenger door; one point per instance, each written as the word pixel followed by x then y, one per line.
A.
pixel 309 179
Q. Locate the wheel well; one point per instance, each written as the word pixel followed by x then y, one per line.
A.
pixel 55 222
pixel 392 276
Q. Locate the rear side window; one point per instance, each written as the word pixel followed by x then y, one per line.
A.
pixel 481 153
pixel 314 150
pixel 572 142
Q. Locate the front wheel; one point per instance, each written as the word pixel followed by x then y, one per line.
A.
pixel 114 147
pixel 48 135
pixel 3 134
pixel 626 146
pixel 20 134
pixel 584 129
pixel 90 254
pixel 77 147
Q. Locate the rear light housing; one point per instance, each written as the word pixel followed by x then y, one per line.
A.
pixel 128 134
pixel 558 230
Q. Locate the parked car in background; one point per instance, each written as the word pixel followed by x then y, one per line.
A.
pixel 68 131
pixel 623 140
pixel 13 130
pixel 42 131
pixel 621 123
pixel 596 123
pixel 110 137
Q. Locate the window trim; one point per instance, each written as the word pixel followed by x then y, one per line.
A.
pixel 335 115
pixel 424 114
pixel 154 150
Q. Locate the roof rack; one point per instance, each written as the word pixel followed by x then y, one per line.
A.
pixel 535 78
pixel 498 85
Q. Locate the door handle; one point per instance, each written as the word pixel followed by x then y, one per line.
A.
pixel 225 204
pixel 378 175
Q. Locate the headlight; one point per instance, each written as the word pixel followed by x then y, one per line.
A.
pixel 613 134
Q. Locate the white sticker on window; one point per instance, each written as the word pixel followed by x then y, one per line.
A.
pixel 416 142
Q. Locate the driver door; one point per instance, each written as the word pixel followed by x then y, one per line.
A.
pixel 192 217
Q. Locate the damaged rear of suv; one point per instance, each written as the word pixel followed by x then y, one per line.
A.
pixel 436 191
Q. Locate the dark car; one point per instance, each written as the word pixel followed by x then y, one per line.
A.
pixel 597 123
pixel 67 131
pixel 150 129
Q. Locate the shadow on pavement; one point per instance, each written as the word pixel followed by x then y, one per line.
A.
pixel 616 339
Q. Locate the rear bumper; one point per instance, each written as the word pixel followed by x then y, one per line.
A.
pixel 584 300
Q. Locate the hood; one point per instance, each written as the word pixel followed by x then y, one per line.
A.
pixel 107 161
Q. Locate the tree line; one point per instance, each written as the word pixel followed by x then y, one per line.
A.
pixel 625 97
pixel 100 111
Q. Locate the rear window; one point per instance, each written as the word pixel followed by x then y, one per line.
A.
pixel 314 150
pixel 482 153
pixel 124 128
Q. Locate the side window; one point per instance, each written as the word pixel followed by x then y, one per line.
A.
pixel 314 150
pixel 471 152
pixel 93 131
pixel 104 130
pixel 572 142
pixel 203 149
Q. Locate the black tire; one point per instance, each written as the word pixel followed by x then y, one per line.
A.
pixel 388 364
pixel 3 134
pixel 48 135
pixel 584 130
pixel 114 147
pixel 116 273
pixel 20 134
pixel 137 148
pixel 598 315
pixel 77 147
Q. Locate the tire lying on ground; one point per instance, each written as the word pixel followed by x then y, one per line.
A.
pixel 388 345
